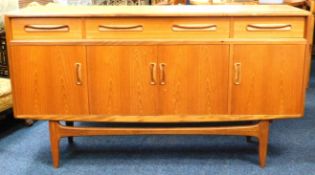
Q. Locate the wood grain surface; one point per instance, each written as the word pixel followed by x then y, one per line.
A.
pixel 157 28
pixel 271 79
pixel 199 64
pixel 119 80
pixel 241 24
pixel 19 28
pixel 196 78
pixel 45 80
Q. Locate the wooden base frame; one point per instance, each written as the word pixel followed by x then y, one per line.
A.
pixel 259 130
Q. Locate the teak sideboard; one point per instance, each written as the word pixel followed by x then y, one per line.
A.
pixel 159 64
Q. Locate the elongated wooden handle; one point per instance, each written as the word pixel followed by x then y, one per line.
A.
pixel 153 73
pixel 133 28
pixel 192 27
pixel 162 74
pixel 260 27
pixel 237 73
pixel 78 70
pixel 46 28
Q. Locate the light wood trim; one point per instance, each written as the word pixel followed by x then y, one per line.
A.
pixel 157 119
pixel 161 41
pixel 165 11
pixel 242 130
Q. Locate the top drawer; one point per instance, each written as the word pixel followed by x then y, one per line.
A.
pixel 46 28
pixel 159 28
pixel 269 27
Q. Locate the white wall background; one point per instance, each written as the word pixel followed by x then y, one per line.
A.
pixel 7 5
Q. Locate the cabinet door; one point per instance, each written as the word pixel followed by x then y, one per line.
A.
pixel 120 80
pixel 193 79
pixel 268 79
pixel 49 80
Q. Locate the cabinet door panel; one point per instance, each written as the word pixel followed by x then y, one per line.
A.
pixel 45 77
pixel 119 80
pixel 196 79
pixel 271 79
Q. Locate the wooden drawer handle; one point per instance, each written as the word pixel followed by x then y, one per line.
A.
pixel 237 73
pixel 78 71
pixel 133 28
pixel 46 28
pixel 189 27
pixel 162 74
pixel 153 73
pixel 259 27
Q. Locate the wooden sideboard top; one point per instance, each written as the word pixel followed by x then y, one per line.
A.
pixel 179 10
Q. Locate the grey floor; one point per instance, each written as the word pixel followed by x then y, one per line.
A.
pixel 26 150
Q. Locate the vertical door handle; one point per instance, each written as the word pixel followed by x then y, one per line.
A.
pixel 153 73
pixel 162 74
pixel 237 73
pixel 78 71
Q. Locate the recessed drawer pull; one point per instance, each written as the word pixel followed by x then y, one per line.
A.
pixel 237 73
pixel 162 74
pixel 190 27
pixel 46 28
pixel 260 27
pixel 78 71
pixel 133 28
pixel 153 73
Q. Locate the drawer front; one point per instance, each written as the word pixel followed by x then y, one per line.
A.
pixel 161 28
pixel 46 28
pixel 273 27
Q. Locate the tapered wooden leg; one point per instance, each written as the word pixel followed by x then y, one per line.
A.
pixel 54 142
pixel 263 142
pixel 70 139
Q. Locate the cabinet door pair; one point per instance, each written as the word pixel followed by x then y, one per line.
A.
pixel 65 80
pixel 150 80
